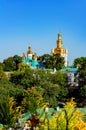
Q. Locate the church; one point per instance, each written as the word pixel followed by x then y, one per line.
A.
pixel 31 58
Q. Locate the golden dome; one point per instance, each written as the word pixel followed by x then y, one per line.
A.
pixel 29 50
pixel 35 56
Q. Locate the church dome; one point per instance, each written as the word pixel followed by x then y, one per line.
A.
pixel 29 50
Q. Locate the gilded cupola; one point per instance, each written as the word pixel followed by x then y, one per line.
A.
pixel 29 50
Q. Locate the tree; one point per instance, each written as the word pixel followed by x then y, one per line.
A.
pixel 82 78
pixel 23 78
pixel 22 67
pixel 53 87
pixel 40 76
pixel 59 78
pixel 83 91
pixel 3 75
pixel 17 59
pixel 9 89
pixel 1 66
pixel 5 88
pixel 32 100
pixel 44 57
pixel 52 61
pixel 80 63
pixel 50 93
pixel 9 112
pixel 9 65
pixel 44 82
pixel 55 61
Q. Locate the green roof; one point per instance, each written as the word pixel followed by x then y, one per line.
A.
pixel 34 63
pixel 69 69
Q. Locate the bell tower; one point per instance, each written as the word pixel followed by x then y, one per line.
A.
pixel 60 50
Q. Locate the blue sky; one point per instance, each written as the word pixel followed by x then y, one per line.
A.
pixel 36 23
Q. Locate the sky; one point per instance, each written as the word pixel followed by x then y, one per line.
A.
pixel 36 23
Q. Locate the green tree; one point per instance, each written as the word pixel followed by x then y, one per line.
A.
pixel 52 61
pixel 16 77
pixel 22 67
pixel 3 75
pixel 44 57
pixel 80 62
pixel 55 61
pixel 81 96
pixel 1 66
pixel 82 78
pixel 5 88
pixel 59 78
pixel 17 59
pixel 50 93
pixel 27 80
pixel 32 100
pixel 9 112
pixel 9 89
pixel 23 78
pixel 9 65
pixel 82 92
pixel 40 76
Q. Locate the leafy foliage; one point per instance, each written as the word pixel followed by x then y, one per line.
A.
pixel 9 112
pixel 17 59
pixel 44 82
pixel 82 78
pixel 83 91
pixel 67 118
pixel 80 125
pixel 3 75
pixel 33 100
pixel 55 61
pixel 80 62
pixel 52 61
pixel 36 88
pixel 9 65
pixel 22 67
pixel 1 66
pixel 23 78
